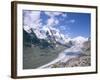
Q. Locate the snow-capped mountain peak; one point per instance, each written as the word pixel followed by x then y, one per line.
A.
pixel 51 33
pixel 27 29
pixel 79 40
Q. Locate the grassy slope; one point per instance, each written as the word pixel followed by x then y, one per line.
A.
pixel 35 57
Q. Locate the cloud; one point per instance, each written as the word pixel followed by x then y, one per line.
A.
pixel 64 15
pixel 62 28
pixel 56 21
pixel 52 20
pixel 53 14
pixel 53 17
pixel 72 20
pixel 32 18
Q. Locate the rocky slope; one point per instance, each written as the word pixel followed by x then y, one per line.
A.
pixel 79 60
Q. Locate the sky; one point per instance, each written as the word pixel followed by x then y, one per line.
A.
pixel 69 23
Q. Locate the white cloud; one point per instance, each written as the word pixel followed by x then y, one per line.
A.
pixel 72 20
pixel 64 15
pixel 35 15
pixel 48 13
pixel 57 13
pixel 56 21
pixel 50 21
pixel 32 19
pixel 53 19
pixel 53 14
pixel 62 28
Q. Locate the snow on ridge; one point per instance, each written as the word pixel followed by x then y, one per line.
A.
pixel 79 41
pixel 41 34
pixel 27 29
pixel 80 38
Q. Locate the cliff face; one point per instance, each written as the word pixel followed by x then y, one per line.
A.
pixel 87 47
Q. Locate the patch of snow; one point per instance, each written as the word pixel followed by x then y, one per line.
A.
pixel 79 41
pixel 27 29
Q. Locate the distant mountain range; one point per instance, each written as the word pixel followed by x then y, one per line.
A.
pixel 49 37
